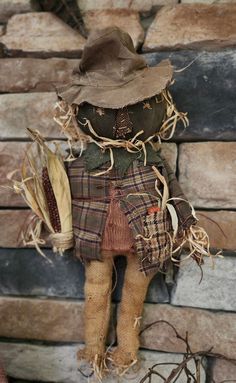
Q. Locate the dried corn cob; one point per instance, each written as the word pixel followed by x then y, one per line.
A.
pixel 51 201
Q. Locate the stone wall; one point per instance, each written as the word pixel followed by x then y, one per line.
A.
pixel 41 303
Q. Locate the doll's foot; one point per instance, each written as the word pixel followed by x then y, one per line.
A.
pixel 122 360
pixel 91 362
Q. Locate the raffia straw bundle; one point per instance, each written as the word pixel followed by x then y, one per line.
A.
pixel 168 127
pixel 195 239
pixel 44 186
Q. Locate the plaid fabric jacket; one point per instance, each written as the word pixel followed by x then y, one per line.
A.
pixel 136 193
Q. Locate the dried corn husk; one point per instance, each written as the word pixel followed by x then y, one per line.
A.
pixel 38 166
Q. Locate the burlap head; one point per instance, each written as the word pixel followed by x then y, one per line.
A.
pixel 112 75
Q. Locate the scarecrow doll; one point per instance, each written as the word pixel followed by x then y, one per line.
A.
pixel 125 198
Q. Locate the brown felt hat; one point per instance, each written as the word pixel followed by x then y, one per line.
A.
pixel 112 75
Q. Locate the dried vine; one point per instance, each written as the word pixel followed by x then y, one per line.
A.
pixel 182 367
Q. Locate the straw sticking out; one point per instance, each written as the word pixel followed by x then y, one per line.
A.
pixel 65 117
pixel 168 127
pixel 197 240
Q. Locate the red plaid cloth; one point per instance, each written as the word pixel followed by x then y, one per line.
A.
pixel 117 235
pixel 156 241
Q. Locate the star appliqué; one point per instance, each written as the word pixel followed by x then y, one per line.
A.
pixel 146 105
pixel 100 111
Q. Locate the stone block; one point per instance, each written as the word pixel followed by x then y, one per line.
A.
pixel 208 1
pixel 11 155
pixel 41 34
pixel 192 26
pixel 12 222
pixel 45 319
pixel 26 318
pixel 205 90
pixel 223 371
pixel 205 329
pixel 220 226
pixel 216 290
pixel 126 19
pixel 138 5
pixel 24 272
pixel 169 151
pixel 20 111
pixel 59 364
pixel 207 173
pixel 34 75
pixel 12 7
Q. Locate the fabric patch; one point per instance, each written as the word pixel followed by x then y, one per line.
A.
pixel 123 123
pixel 117 235
pixel 155 242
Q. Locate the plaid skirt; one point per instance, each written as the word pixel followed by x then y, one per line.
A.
pixel 94 196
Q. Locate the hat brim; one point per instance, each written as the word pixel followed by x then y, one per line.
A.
pixel 149 82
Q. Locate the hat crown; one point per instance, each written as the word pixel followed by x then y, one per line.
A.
pixel 109 55
pixel 112 75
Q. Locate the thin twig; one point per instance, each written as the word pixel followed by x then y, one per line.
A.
pixel 181 367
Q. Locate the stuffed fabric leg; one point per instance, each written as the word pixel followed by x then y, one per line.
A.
pixel 130 314
pixel 97 311
pixel 98 287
